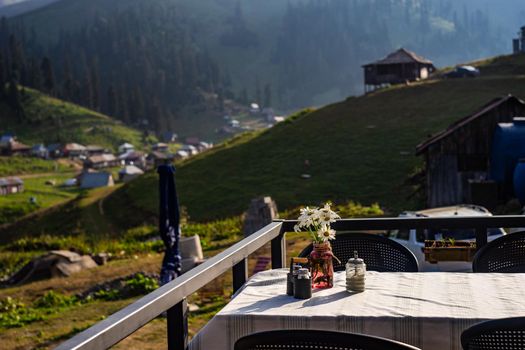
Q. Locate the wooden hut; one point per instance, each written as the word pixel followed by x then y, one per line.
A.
pixel 11 185
pixel 398 67
pixel 458 158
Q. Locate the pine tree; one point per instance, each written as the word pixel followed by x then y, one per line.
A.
pixel 257 90
pixel 2 77
pixel 47 73
pixel 267 96
pixel 13 99
pixel 95 86
pixel 244 96
pixel 68 84
pixel 113 103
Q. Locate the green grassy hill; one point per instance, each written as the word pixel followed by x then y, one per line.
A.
pixel 49 120
pixel 360 149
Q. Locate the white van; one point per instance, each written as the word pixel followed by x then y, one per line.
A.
pixel 416 242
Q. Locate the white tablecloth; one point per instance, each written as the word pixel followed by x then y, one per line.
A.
pixel 427 310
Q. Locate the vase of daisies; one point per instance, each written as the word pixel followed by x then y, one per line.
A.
pixel 317 222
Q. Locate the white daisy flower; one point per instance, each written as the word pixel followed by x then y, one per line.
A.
pixel 326 215
pixel 326 233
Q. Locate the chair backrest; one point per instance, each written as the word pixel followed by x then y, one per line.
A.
pixel 316 339
pixel 379 253
pixel 506 333
pixel 504 254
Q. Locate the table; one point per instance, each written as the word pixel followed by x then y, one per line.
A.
pixel 427 310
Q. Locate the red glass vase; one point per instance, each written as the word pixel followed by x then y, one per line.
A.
pixel 321 265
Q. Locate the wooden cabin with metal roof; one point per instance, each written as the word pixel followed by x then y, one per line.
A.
pixel 399 67
pixel 458 158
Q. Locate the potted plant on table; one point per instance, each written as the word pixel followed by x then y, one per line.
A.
pixel 317 222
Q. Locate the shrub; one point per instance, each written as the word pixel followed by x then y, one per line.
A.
pixel 53 299
pixel 14 313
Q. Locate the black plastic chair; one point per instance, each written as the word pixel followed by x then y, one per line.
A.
pixel 379 253
pixel 504 254
pixel 503 334
pixel 315 339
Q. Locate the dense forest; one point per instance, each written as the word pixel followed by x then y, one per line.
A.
pixel 143 72
pixel 160 60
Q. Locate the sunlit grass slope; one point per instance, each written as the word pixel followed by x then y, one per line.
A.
pixel 51 120
pixel 360 149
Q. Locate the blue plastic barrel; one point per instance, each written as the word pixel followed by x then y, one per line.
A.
pixel 519 181
pixel 508 147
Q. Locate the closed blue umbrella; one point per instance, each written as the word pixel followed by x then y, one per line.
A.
pixel 169 223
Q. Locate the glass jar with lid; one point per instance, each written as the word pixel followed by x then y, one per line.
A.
pixel 355 274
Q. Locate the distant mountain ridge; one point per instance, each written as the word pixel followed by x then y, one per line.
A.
pixel 261 43
pixel 11 8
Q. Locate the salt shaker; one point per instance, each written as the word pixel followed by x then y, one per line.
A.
pixel 302 284
pixel 355 274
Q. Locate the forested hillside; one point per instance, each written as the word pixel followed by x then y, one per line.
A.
pixel 145 72
pixel 170 60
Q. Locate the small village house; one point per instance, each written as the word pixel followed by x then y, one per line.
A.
pixel 136 158
pixel 398 67
pixel 268 113
pixel 190 149
pixel 160 147
pixel 125 148
pixel 169 137
pixel 5 140
pixel 15 148
pixel 180 154
pixel 101 161
pixel 40 151
pixel 94 150
pixel 96 179
pixel 129 172
pixel 458 158
pixel 54 150
pixel 11 185
pixel 202 146
pixel 254 108
pixel 73 150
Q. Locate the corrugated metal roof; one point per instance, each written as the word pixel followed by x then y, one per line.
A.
pixel 462 122
pixel 101 158
pixel 131 155
pixel 18 146
pixel 401 56
pixel 74 147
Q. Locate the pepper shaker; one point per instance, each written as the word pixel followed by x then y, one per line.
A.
pixel 355 274
pixel 302 284
pixel 294 268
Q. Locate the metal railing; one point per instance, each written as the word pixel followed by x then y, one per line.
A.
pixel 171 298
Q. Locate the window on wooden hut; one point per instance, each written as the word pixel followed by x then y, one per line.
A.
pixel 472 162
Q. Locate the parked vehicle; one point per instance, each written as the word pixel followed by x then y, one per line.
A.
pixel 463 72
pixel 415 241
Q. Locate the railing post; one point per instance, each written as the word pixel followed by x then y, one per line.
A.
pixel 177 317
pixel 240 274
pixel 481 237
pixel 279 251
